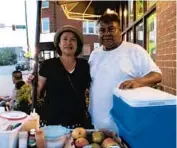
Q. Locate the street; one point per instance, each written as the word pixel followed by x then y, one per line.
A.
pixel 6 85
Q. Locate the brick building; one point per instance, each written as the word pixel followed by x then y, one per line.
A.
pixel 166 43
pixel 151 24
pixel 53 18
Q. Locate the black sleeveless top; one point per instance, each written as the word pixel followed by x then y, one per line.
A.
pixel 63 105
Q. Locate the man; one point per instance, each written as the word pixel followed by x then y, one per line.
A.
pixel 116 64
pixel 17 80
pixel 16 76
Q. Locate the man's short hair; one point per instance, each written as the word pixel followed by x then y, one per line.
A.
pixel 109 17
pixel 17 74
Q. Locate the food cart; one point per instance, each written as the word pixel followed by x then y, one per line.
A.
pixel 141 124
pixel 146 120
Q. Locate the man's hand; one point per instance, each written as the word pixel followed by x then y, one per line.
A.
pixel 30 78
pixel 129 84
pixel 150 79
pixel 5 98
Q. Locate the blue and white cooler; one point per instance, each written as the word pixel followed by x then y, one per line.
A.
pixel 146 117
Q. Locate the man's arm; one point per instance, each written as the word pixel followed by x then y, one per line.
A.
pixel 150 79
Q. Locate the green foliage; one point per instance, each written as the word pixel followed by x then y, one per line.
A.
pixel 7 57
pixel 23 98
pixel 24 93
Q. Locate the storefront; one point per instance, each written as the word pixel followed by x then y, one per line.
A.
pixel 152 24
pixel 139 24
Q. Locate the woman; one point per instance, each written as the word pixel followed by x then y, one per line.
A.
pixel 66 79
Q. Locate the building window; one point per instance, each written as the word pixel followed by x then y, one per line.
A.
pixel 130 12
pixel 120 16
pixel 150 4
pixel 84 26
pixel 45 25
pixel 130 36
pixel 139 34
pixel 125 37
pixel 143 29
pixel 45 4
pixel 151 35
pixel 89 27
pixel 139 8
pixel 125 18
pixel 96 45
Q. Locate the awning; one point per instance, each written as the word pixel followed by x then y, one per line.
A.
pixel 87 10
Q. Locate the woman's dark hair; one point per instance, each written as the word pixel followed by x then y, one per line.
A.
pixel 109 17
pixel 79 43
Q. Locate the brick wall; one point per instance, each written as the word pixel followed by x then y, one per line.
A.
pixel 51 13
pixel 61 20
pixel 166 44
pixel 58 19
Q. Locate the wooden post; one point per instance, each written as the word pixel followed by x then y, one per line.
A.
pixel 37 50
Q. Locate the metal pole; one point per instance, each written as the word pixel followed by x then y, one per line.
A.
pixel 37 40
pixel 26 21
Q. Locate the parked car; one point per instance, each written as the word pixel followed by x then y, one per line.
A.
pixel 22 65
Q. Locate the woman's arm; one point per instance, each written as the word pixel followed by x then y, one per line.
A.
pixel 41 84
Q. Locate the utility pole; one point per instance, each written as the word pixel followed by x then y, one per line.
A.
pixel 26 21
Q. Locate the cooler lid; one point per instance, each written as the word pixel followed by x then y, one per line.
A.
pixel 145 96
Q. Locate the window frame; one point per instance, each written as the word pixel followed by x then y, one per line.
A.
pixel 152 13
pixel 46 6
pixel 142 19
pixel 87 28
pixel 137 26
pixel 42 23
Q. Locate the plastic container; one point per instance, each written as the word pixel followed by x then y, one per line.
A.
pixel 23 138
pixel 32 122
pixel 55 136
pixel 146 117
pixel 9 139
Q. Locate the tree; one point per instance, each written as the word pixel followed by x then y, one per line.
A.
pixel 7 57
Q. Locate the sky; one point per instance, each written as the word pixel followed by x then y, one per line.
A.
pixel 13 12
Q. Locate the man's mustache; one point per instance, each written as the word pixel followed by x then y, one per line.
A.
pixel 107 37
